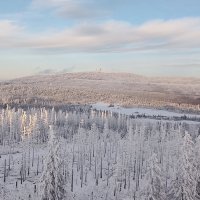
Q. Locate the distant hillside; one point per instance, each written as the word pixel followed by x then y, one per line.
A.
pixel 90 87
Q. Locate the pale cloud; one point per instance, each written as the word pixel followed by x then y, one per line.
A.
pixel 110 36
pixel 54 71
pixel 72 9
pixel 9 33
pixel 6 28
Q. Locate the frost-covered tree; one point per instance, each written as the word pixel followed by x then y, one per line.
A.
pixel 197 154
pixel 153 181
pixel 52 179
pixel 184 186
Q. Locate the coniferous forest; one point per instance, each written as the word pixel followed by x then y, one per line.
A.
pixel 87 154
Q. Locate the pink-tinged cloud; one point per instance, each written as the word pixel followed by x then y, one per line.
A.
pixel 110 36
pixel 10 32
pixel 8 28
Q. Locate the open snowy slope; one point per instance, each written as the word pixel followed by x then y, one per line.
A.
pixel 123 88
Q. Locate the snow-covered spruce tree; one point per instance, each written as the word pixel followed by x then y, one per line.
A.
pixel 184 186
pixel 153 181
pixel 52 183
pixel 197 154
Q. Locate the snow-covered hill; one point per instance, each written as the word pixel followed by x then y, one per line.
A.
pixel 91 87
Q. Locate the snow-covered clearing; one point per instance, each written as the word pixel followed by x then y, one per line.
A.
pixel 140 111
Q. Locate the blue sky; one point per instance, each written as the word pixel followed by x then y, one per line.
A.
pixel 148 37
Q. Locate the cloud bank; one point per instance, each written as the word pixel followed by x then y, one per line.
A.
pixel 110 36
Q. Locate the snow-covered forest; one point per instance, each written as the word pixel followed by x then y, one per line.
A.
pixel 126 89
pixel 52 154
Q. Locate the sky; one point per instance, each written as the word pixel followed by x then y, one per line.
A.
pixel 147 37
